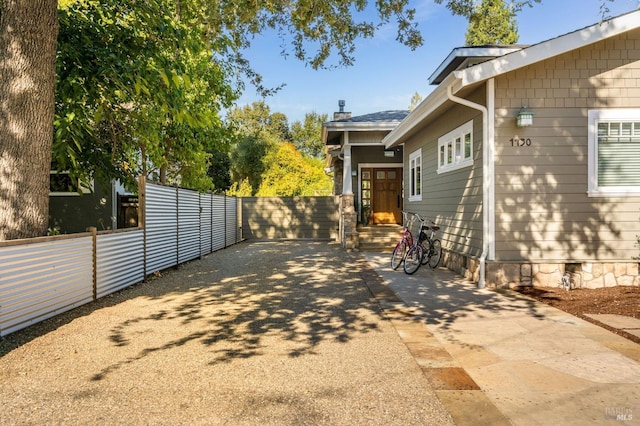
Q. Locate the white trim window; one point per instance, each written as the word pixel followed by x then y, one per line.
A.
pixel 415 175
pixel 614 152
pixel 62 184
pixel 455 149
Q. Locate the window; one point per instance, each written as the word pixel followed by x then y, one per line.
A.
pixel 455 149
pixel 61 183
pixel 614 152
pixel 415 176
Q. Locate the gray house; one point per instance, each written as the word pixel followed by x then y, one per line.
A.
pixel 529 159
pixel 74 208
pixel 367 175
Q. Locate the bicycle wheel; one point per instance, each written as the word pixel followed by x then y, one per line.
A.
pixel 398 254
pixel 413 259
pixel 435 250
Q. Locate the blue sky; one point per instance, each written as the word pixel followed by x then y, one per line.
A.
pixel 386 74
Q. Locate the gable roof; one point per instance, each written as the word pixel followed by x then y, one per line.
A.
pixel 464 57
pixel 481 72
pixel 377 121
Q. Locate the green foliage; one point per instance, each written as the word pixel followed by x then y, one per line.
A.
pixel 240 189
pixel 265 162
pixel 289 174
pixel 248 160
pixel 307 137
pixel 467 7
pixel 492 22
pixel 220 170
pixel 415 101
pixel 129 92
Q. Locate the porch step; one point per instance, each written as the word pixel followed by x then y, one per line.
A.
pixel 380 238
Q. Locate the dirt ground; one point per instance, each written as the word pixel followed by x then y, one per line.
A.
pixel 609 300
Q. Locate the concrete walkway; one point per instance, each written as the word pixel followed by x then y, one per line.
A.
pixel 502 358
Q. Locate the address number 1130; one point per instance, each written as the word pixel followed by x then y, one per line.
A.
pixel 520 142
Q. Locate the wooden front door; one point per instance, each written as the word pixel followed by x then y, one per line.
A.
pixel 386 195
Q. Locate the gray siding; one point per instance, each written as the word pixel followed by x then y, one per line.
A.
pixel 290 217
pixel 452 199
pixel 543 211
pixel 367 137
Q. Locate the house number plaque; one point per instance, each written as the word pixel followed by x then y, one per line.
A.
pixel 520 141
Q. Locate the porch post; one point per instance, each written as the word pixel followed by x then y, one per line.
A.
pixel 348 215
pixel 347 187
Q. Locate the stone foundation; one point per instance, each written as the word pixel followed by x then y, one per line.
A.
pixel 580 274
pixel 348 223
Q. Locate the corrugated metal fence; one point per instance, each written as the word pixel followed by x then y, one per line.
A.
pixel 42 277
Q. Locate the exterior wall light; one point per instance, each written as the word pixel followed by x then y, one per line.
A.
pixel 524 118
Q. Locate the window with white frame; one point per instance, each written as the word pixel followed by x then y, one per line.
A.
pixel 614 152
pixel 415 175
pixel 455 149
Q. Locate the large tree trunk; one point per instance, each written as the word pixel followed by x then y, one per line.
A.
pixel 28 34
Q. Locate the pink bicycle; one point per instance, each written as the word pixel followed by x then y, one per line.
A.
pixel 406 240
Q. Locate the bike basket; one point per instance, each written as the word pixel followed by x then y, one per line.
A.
pixel 414 226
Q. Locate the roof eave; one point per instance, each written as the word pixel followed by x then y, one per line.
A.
pixel 350 126
pixel 509 62
pixel 425 108
pixel 549 48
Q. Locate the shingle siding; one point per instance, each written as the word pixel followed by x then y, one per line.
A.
pixel 543 212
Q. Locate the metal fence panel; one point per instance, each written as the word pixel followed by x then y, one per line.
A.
pixel 188 225
pixel 161 222
pixel 40 280
pixel 205 223
pixel 219 222
pixel 232 221
pixel 119 261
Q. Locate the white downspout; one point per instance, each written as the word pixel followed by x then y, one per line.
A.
pixel 488 135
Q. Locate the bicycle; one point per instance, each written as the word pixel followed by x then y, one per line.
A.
pixel 433 253
pixel 426 248
pixel 406 241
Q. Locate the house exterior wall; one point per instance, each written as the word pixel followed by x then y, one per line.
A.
pixel 366 137
pixel 75 213
pixel 451 199
pixel 543 211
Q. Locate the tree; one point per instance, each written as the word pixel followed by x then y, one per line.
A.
pixel 288 174
pixel 248 161
pixel 415 101
pixel 306 135
pixel 467 7
pixel 28 32
pixel 112 121
pixel 492 22
pixel 220 170
pixel 257 120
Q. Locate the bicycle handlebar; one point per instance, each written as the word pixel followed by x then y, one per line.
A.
pixel 418 216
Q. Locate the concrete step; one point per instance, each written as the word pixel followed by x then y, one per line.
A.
pixel 382 238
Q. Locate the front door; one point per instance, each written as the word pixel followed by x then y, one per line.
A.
pixel 386 194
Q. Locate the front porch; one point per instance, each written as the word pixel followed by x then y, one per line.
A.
pixel 378 238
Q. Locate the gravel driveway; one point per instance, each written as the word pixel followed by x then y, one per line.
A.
pixel 282 333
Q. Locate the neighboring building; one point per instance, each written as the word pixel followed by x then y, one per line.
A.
pixel 72 210
pixel 367 176
pixel 530 160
